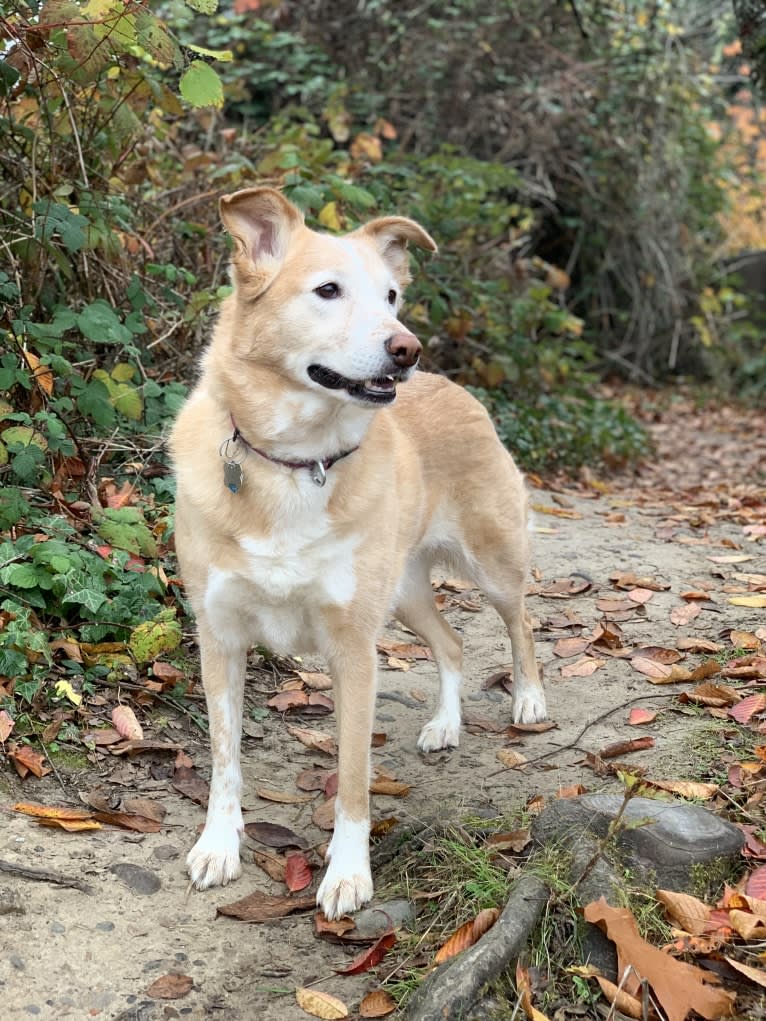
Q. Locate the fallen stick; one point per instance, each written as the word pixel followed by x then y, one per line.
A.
pixel 455 986
pixel 45 876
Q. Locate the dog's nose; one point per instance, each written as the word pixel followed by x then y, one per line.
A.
pixel 404 348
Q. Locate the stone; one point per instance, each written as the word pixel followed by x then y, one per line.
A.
pixel 662 852
pixel 11 902
pixel 379 918
pixel 166 852
pixel 136 878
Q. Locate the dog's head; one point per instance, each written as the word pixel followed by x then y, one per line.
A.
pixel 321 309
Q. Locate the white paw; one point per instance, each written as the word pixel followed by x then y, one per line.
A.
pixel 442 731
pixel 528 705
pixel 341 893
pixel 214 859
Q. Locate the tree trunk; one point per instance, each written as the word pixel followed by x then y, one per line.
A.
pixel 751 24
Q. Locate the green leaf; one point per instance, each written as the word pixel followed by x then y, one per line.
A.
pixel 8 78
pixel 200 85
pixel 100 323
pixel 154 38
pixel 23 436
pixel 56 218
pixel 20 575
pixel 155 637
pixel 123 372
pixel 204 7
pixel 13 664
pixel 225 55
pixel 92 601
pixel 125 528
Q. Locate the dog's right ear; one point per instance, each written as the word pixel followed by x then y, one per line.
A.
pixel 261 221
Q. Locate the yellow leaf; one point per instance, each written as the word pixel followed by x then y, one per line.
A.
pixel 368 146
pixel 320 1004
pixel 757 601
pixel 65 690
pixel 510 758
pixel 329 216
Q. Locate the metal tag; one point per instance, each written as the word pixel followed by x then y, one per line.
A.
pixel 232 476
pixel 318 473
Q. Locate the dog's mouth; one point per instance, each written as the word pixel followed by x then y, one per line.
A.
pixel 378 390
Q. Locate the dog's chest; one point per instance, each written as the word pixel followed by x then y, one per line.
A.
pixel 281 583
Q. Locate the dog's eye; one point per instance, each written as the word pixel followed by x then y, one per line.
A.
pixel 327 291
pixel 392 297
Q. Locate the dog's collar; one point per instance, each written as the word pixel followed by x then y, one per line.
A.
pixel 232 469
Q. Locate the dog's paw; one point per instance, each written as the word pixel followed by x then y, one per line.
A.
pixel 442 731
pixel 339 894
pixel 529 705
pixel 214 859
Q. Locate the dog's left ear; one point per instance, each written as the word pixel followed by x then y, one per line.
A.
pixel 390 235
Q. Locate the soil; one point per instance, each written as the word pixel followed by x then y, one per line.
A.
pixel 72 954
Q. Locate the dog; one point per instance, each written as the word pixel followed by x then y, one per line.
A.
pixel 319 479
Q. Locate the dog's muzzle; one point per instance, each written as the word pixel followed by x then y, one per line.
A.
pixel 377 390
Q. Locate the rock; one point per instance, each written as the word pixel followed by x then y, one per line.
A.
pixel 166 852
pixel 379 918
pixel 136 878
pixel 674 836
pixel 11 902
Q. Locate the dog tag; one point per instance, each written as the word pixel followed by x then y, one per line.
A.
pixel 232 476
pixel 318 473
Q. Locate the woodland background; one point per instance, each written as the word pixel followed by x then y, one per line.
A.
pixel 592 171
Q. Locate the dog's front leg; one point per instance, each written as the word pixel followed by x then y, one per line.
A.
pixel 214 859
pixel 347 884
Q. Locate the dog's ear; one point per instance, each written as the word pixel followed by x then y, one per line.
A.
pixel 390 235
pixel 261 221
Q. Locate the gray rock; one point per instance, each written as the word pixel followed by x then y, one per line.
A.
pixel 105 926
pixel 11 902
pixel 57 928
pixel 661 840
pixel 136 878
pixel 379 918
pixel 166 852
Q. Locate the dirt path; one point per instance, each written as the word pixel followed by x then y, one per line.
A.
pixel 66 953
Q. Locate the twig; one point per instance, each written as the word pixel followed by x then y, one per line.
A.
pixel 45 876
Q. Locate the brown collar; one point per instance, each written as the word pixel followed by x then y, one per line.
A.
pixel 318 467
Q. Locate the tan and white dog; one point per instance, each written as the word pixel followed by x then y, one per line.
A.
pixel 314 496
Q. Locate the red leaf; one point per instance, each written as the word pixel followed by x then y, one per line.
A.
pixel 744 711
pixel 370 957
pixel 638 744
pixel 638 717
pixel 297 872
pixel 756 883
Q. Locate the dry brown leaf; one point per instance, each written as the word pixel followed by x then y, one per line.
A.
pixel 566 647
pixel 324 816
pixel 187 781
pixel 6 726
pixel 467 935
pixel 697 645
pixel 748 707
pixel 273 835
pixel 685 614
pixel 393 788
pixel 687 912
pixel 320 1004
pixel 338 927
pixel 757 975
pixel 315 740
pixel 288 699
pixel 510 758
pixel 640 595
pixel 282 797
pixel 583 667
pixel 658 654
pixel 747 925
pixel 404 650
pixel 631 581
pixel 143 806
pixel 273 865
pixel 378 1003
pixel 260 907
pixel 651 668
pixel 745 640
pixel 126 724
pixel 27 760
pixel 515 840
pixel 691 789
pixel 620 999
pixel 573 790
pixel 678 987
pixel 714 695
pixel 71 825
pixel 315 680
pixel 137 823
pixel 637 744
pixel 524 989
pixel 170 987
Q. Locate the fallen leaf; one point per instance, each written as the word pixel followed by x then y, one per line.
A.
pixel 756 883
pixel 582 668
pixel 565 588
pixel 467 935
pixel 274 865
pixel 731 558
pixel 404 650
pixel 6 725
pixel 52 811
pixel 745 640
pixel 383 826
pixel 757 975
pixel 650 667
pixel 102 737
pixel 134 747
pixel 126 724
pixel 620 999
pixel 187 781
pixel 557 512
pixel 632 581
pixel 749 707
pixel 515 840
pixel 637 744
pixel 610 605
pixel 370 957
pixel 27 760
pixel 574 790
pixel 378 1003
pixel 691 789
pixel 284 701
pixel 658 654
pixel 697 645
pixel 170 987
pixel 167 673
pixel 71 825
pixel 566 647
pixel 692 595
pixel 640 595
pixel 687 912
pixel 282 797
pixel 756 601
pixel 143 806
pixel 747 925
pixel 261 907
pixel 337 927
pixel 530 728
pixel 524 989
pixel 315 740
pixel 298 874
pixel 137 823
pixel 716 695
pixel 318 681
pixel 312 779
pixel 273 835
pixel 678 987
pixel 320 1004
pixel 685 614
pixel 639 717
pixel 510 758
pixel 324 816
pixel 393 788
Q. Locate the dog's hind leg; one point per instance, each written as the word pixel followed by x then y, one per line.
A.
pixel 214 859
pixel 417 610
